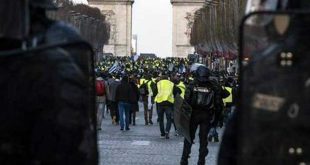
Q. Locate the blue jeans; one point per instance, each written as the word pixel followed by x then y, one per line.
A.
pixel 166 109
pixel 124 111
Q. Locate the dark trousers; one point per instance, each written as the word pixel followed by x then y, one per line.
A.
pixel 164 109
pixel 132 115
pixel 114 110
pixel 201 119
pixel 148 113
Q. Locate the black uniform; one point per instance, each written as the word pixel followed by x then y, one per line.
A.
pixel 265 129
pixel 205 114
pixel 45 118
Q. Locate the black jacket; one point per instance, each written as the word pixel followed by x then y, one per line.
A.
pixel 45 110
pixel 123 92
pixel 134 91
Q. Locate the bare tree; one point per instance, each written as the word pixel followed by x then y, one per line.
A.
pixel 215 28
pixel 87 20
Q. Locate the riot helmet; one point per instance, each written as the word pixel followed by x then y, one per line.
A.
pixel 194 67
pixel 44 4
pixel 14 19
pixel 202 73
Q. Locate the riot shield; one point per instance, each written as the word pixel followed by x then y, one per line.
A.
pixel 48 98
pixel 182 117
pixel 273 126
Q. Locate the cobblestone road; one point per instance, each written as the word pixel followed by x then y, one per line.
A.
pixel 142 145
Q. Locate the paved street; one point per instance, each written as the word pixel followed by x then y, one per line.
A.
pixel 142 145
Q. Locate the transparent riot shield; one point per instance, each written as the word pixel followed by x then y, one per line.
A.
pixel 182 117
pixel 274 107
pixel 48 98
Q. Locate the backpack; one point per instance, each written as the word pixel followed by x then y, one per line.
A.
pixel 203 97
pixel 100 88
pixel 143 90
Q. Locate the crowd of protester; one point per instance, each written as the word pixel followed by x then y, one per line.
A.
pixel 123 82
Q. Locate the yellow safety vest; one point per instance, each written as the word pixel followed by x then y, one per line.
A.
pixel 141 82
pixel 165 91
pixel 181 85
pixel 149 87
pixel 229 98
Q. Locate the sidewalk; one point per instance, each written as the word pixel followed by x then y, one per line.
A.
pixel 142 145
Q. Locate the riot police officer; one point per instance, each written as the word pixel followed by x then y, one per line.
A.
pixel 44 118
pixel 205 98
pixel 263 130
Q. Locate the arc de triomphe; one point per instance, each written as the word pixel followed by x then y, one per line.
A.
pixel 183 19
pixel 119 15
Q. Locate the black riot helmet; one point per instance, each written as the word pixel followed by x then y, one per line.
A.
pixel 44 4
pixel 200 72
pixel 14 21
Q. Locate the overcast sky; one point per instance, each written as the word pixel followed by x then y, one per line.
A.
pixel 80 1
pixel 152 22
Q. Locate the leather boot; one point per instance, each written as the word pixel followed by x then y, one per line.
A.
pixel 201 159
pixel 184 161
pixel 216 139
pixel 210 138
pixel 151 122
pixel 201 162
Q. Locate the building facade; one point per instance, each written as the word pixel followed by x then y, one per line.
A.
pixel 183 20
pixel 119 15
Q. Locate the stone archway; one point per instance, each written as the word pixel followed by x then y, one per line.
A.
pixel 183 17
pixel 119 16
